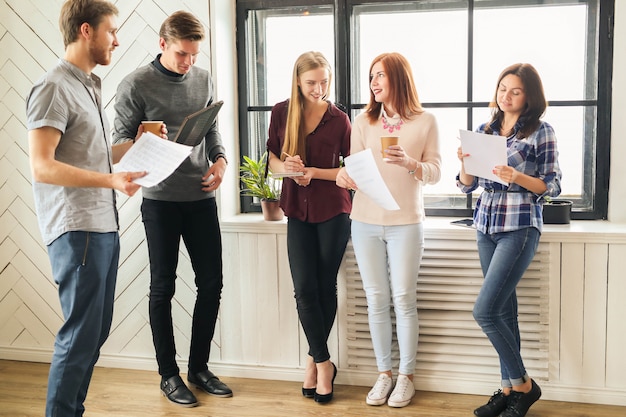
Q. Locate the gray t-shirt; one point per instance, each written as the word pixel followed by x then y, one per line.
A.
pixel 68 99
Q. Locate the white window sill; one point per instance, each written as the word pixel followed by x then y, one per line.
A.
pixel 588 231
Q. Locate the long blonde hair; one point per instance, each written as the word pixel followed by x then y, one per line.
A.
pixel 294 134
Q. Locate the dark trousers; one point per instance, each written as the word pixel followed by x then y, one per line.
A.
pixel 196 222
pixel 315 254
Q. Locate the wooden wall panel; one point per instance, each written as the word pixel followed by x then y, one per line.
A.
pixel 572 301
pixel 594 308
pixel 616 318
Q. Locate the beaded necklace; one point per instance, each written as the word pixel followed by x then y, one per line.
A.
pixel 391 126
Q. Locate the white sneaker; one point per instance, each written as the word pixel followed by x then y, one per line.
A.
pixel 380 391
pixel 402 393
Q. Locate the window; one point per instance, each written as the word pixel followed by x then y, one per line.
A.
pixel 457 50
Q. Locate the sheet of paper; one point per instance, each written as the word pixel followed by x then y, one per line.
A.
pixel 485 152
pixel 362 168
pixel 157 156
pixel 286 174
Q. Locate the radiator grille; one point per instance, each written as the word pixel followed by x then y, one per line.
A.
pixel 450 341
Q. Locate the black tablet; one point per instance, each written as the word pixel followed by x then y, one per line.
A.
pixel 463 222
pixel 195 126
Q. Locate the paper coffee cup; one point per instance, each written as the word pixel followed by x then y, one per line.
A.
pixel 387 141
pixel 153 126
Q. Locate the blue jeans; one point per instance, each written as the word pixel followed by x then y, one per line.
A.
pixel 84 265
pixel 196 222
pixel 315 253
pixel 389 258
pixel 504 257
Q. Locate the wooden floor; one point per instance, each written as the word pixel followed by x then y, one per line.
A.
pixel 131 393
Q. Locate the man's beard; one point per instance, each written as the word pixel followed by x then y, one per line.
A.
pixel 100 55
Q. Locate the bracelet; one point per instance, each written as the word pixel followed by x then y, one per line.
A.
pixel 221 155
pixel 412 172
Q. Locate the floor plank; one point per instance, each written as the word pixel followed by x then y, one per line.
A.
pixel 132 393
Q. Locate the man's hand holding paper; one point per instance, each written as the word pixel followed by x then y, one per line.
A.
pixel 158 157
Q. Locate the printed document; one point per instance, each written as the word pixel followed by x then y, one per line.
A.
pixel 362 168
pixel 278 175
pixel 485 152
pixel 157 156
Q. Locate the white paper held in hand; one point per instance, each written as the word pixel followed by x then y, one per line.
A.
pixel 485 152
pixel 362 168
pixel 157 156
pixel 286 174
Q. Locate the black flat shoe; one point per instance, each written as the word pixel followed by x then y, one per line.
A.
pixel 175 390
pixel 210 384
pixel 324 398
pixel 519 402
pixel 308 392
pixel 496 404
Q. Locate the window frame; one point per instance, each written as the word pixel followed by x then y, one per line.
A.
pixel 598 156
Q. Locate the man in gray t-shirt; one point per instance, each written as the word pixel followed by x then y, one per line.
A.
pixel 74 186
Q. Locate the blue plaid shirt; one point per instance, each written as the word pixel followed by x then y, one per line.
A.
pixel 503 209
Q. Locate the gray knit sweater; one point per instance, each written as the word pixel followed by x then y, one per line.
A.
pixel 150 94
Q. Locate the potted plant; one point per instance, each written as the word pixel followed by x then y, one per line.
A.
pixel 264 187
pixel 556 211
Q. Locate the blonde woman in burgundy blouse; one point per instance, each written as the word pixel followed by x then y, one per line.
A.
pixel 309 134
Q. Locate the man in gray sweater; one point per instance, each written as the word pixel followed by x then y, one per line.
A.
pixel 183 205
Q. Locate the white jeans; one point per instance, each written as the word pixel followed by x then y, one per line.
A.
pixel 389 258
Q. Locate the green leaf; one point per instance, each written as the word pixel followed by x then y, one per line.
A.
pixel 253 181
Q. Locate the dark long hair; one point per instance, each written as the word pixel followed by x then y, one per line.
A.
pixel 535 99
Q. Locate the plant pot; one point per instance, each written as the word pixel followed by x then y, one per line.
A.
pixel 271 210
pixel 557 212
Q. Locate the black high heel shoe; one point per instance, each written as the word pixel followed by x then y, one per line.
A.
pixel 308 392
pixel 324 398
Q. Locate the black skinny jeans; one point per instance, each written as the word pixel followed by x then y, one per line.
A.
pixel 196 222
pixel 315 254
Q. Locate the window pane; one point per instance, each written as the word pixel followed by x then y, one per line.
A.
pixel 433 40
pixel 449 121
pixel 274 49
pixel 569 126
pixel 258 126
pixel 551 38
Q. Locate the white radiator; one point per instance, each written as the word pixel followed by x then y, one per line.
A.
pixel 450 342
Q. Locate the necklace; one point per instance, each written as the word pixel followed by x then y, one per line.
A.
pixel 391 126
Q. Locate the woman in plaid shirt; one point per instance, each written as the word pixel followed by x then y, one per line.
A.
pixel 509 221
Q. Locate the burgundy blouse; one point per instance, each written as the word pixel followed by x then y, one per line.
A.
pixel 321 200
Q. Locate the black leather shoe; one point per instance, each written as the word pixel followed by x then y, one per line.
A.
pixel 324 398
pixel 495 405
pixel 210 384
pixel 175 390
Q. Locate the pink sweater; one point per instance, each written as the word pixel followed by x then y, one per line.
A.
pixel 420 139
